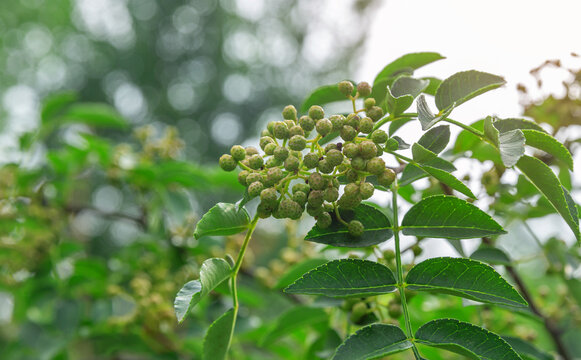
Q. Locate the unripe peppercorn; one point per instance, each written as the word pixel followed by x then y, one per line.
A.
pixel 330 147
pixel 255 189
pixel 379 137
pixel 269 196
pixel 324 220
pixel 351 150
pixel 367 149
pixel 251 150
pixel 358 163
pixel 334 157
pixel 324 126
pixel 315 198
pixel 311 160
pixel 376 166
pixel 355 228
pixel 242 177
pixel 281 130
pixel 348 133
pixel 270 127
pixel 291 163
pixel 290 123
pixel 301 187
pixel 351 175
pixel 253 177
pixel 351 190
pixel 317 181
pixel 353 120
pixel 281 153
pixel 307 123
pixel 295 210
pixel 417 250
pixel 369 103
pixel 364 89
pixel 297 143
pixel 269 148
pixel 265 133
pixel 338 121
pixel 264 210
pixel 386 178
pixel 325 167
pixel 349 202
pixel 314 211
pixel 346 88
pixel 316 112
pixel 296 130
pixel 375 113
pixel 255 162
pixel 289 112
pixel 265 140
pixel 366 125
pixel 227 162
pixel 238 152
pixel 272 162
pixel 274 175
pixel 366 190
pixel 331 194
pixel 300 197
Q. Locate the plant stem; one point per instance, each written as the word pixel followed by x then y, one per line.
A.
pixel 400 283
pixel 465 127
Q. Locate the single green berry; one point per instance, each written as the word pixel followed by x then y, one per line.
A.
pixel 270 127
pixel 366 190
pixel 388 254
pixel 273 162
pixel 379 137
pixel 254 177
pixel 265 140
pixel 329 147
pixel 265 133
pixel 369 103
pixel 255 189
pixel 355 228
pixel 334 157
pixel 295 210
pixel 269 148
pixel 238 152
pixel 316 112
pixel 227 162
pixel 307 123
pixel 264 210
pixel 376 166
pixel 251 150
pixel 358 311
pixel 375 112
pixel 274 175
pixel 242 177
pixel 296 130
pixel 358 163
pixel 386 178
pixel 289 112
pixel 364 89
pixel 311 160
pixel 324 126
pixel 367 149
pixel 325 167
pixel 281 130
pixel 314 210
pixel 351 150
pixel 331 194
pixel 346 88
pixel 317 181
pixel 300 197
pixel 366 125
pixel 268 196
pixel 353 120
pixel 297 143
pixel 349 202
pixel 348 133
pixel 338 121
pixel 324 220
pixel 351 190
pixel 301 187
pixel 256 162
pixel 291 163
pixel 290 124
pixel 281 153
pixel 315 198
pixel 352 175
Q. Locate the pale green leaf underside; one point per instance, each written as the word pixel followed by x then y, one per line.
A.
pixel 465 85
pixel 547 143
pixel 465 278
pixel 295 318
pixel 511 143
pixel 218 337
pixel 345 278
pixel 373 342
pixel 222 219
pixel 444 216
pixel 426 117
pixel 212 273
pixel 466 339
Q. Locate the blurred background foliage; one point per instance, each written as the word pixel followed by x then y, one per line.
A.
pixel 98 202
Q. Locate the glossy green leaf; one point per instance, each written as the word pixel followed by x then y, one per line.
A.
pixel 298 270
pixel 56 104
pixel 526 350
pixel 345 278
pixel 373 342
pixel 426 117
pixel 540 175
pixel 465 339
pixel 296 318
pixel 436 139
pixel 465 278
pixel 504 125
pixel 427 157
pixel 324 95
pixel 491 255
pixel 219 336
pixel 463 86
pixel 547 143
pixel 401 95
pixel 97 115
pixel 222 219
pixel 448 179
pixel 442 216
pixel 212 273
pixel 377 229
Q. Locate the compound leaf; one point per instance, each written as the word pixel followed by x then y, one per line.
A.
pixel 345 278
pixel 465 85
pixel 222 219
pixel 373 342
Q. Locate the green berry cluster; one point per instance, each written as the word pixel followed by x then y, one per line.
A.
pixel 296 174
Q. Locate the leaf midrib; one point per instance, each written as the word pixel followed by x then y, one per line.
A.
pixel 467 290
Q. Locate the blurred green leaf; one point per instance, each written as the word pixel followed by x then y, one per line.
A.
pixel 222 219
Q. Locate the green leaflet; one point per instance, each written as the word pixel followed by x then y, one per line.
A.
pixel 511 144
pixel 436 139
pixel 295 318
pixel 426 117
pixel 97 115
pixel 324 95
pixel 547 143
pixel 504 125
pixel 465 278
pixel 297 270
pixel 465 339
pixel 526 350
pixel 373 342
pixel 402 94
pixel 491 255
pixel 548 184
pixel 212 273
pixel 345 278
pixel 427 157
pixel 377 229
pixel 448 179
pixel 444 216
pixel 463 86
pixel 218 337
pixel 222 219
pixel 434 85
